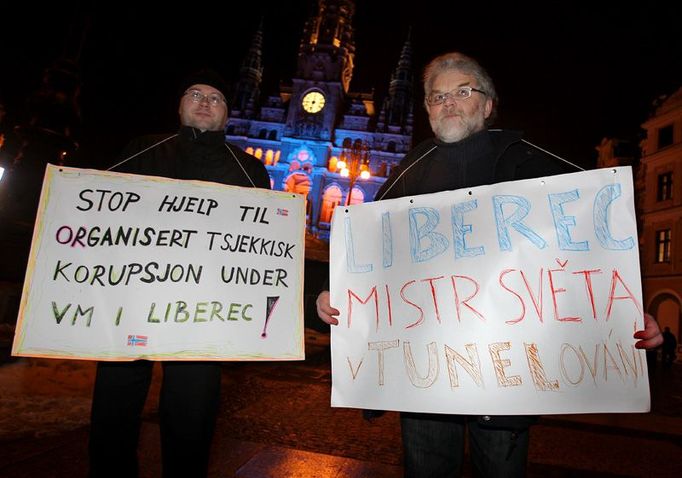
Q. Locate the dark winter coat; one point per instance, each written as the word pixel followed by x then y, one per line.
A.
pixel 487 157
pixel 194 155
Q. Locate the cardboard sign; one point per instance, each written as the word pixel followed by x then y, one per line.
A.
pixel 514 298
pixel 124 267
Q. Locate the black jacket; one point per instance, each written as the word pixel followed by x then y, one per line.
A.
pixel 486 157
pixel 194 155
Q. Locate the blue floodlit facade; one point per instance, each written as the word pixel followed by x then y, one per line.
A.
pixel 303 131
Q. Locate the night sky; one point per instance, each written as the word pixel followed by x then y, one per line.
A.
pixel 567 73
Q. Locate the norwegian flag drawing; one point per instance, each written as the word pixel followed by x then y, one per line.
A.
pixel 137 340
pixel 282 212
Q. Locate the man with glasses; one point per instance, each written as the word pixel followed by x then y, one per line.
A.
pixel 460 99
pixel 190 391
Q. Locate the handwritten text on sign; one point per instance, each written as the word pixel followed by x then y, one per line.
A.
pixel 515 298
pixel 125 266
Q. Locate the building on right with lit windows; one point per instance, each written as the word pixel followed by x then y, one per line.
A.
pixel 657 167
pixel 660 213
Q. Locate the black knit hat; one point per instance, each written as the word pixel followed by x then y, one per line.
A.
pixel 205 77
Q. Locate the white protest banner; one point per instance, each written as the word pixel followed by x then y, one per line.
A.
pixel 514 298
pixel 125 266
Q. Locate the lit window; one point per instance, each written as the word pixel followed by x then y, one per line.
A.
pixel 332 163
pixel 665 186
pixel 663 242
pixel 269 155
pixel 330 199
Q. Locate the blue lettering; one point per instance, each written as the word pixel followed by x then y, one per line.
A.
pixel 387 238
pixel 459 230
pixel 351 266
pixel 562 223
pixel 514 220
pixel 438 242
pixel 602 201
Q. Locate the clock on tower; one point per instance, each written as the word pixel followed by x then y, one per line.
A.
pixel 313 102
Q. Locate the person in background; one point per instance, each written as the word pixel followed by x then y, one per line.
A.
pixel 461 100
pixel 669 347
pixel 190 391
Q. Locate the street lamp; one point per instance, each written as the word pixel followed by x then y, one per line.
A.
pixel 354 164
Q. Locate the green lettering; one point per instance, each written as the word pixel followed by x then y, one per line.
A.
pixel 217 307
pixel 57 314
pixel 181 309
pixel 198 310
pixel 150 317
pixel 244 316
pixel 233 311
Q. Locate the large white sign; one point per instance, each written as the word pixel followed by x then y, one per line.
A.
pixel 125 266
pixel 515 298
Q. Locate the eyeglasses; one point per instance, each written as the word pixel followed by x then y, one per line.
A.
pixel 214 99
pixel 461 93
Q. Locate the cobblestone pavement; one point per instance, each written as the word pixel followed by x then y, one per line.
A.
pixel 284 407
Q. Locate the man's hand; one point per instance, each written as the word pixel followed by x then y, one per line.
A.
pixel 327 313
pixel 650 337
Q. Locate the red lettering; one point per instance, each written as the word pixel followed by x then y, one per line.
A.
pixel 615 277
pixel 523 305
pixel 421 311
pixel 465 302
pixel 388 303
pixel 556 291
pixel 536 303
pixel 430 280
pixel 372 293
pixel 588 285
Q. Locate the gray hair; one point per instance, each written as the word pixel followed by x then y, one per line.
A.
pixel 459 62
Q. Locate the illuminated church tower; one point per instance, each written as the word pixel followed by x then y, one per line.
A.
pixel 317 137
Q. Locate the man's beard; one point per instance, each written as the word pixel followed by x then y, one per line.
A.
pixel 452 129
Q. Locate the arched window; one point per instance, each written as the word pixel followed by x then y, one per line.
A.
pixel 332 164
pixel 391 147
pixel 262 134
pixel 277 155
pixel 347 142
pixel 249 150
pixel 357 196
pixel 273 135
pixel 258 153
pixel 330 199
pixel 230 129
pixel 269 155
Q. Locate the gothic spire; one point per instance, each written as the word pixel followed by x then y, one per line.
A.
pixel 247 90
pixel 397 110
pixel 328 33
